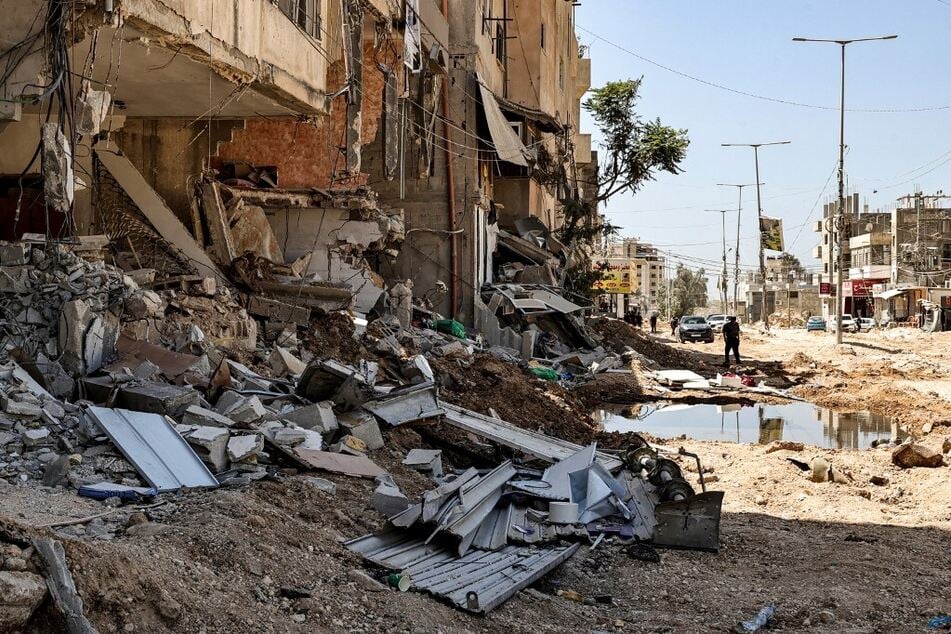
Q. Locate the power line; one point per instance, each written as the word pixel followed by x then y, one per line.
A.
pixel 744 93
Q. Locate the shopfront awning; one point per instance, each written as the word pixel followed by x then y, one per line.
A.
pixel 892 292
pixel 507 144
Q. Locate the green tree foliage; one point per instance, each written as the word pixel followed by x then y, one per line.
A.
pixel 633 151
pixel 688 292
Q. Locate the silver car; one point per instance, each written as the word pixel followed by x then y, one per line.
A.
pixel 716 322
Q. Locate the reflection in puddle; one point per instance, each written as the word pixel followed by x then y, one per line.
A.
pixel 759 423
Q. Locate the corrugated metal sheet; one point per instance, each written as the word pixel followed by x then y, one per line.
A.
pixel 478 582
pixel 544 447
pixel 152 445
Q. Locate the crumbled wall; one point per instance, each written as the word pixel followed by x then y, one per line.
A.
pixel 307 153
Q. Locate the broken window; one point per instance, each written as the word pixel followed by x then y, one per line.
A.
pixel 500 43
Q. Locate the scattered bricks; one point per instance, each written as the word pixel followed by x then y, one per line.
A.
pixel 196 415
pixel 242 448
pixel 14 254
pixel 363 426
pixel 20 594
pixel 34 437
pixel 211 444
pixel 284 363
pixel 912 455
pixel 157 398
pixel 319 417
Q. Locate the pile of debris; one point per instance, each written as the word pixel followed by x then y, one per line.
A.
pixel 480 536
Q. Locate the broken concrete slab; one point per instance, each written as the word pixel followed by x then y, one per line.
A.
pixel 196 415
pixel 319 417
pixel 387 499
pixel 210 443
pixel 357 466
pixel 289 437
pixel 362 425
pixel 406 404
pixel 245 447
pixel 241 409
pixel 284 363
pixel 425 460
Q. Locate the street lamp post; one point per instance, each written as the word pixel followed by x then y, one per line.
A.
pixel 736 265
pixel 840 223
pixel 723 273
pixel 759 217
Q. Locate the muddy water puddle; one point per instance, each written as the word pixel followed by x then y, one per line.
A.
pixel 759 423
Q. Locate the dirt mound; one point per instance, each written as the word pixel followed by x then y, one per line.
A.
pixel 516 395
pixel 331 337
pixel 618 334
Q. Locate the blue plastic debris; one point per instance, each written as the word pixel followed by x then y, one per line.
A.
pixel 105 490
pixel 938 622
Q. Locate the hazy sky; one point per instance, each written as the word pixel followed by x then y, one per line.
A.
pixel 747 46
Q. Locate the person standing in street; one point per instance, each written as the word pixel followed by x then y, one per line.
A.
pixel 674 322
pixel 731 340
pixel 654 323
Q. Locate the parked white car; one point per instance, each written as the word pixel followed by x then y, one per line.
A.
pixel 866 324
pixel 716 322
pixel 848 324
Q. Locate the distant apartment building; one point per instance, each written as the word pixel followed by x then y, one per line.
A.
pixel 789 289
pixel 647 269
pixel 893 256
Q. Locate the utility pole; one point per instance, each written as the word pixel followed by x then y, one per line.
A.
pixel 723 273
pixel 736 265
pixel 759 219
pixel 841 223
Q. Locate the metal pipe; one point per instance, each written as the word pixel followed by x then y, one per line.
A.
pixel 451 192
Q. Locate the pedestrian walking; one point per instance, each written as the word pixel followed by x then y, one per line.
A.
pixel 731 340
pixel 673 326
pixel 654 323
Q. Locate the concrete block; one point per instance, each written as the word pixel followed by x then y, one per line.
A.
pixel 284 363
pixel 157 398
pixel 387 498
pixel 241 409
pixel 289 437
pixel 196 415
pixel 364 426
pixel 425 460
pixel 211 444
pixel 242 448
pixel 349 445
pixel 20 409
pixel 320 417
pixel 34 437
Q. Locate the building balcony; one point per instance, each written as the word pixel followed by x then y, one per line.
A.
pixel 817 226
pixel 817 251
pixel 582 149
pixel 582 77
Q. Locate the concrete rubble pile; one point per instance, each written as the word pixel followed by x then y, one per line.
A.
pixel 122 393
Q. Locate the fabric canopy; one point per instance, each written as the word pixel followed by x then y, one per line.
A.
pixel 507 144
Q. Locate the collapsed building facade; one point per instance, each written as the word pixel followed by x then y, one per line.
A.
pixel 343 146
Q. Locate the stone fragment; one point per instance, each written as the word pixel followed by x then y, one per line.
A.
pixel 784 445
pixel 322 485
pixel 284 363
pixel 365 581
pixel 289 437
pixel 14 254
pixel 33 437
pixel 244 447
pixel 946 445
pixel 210 443
pixel 157 398
pixel 20 594
pixel 241 409
pixel 387 499
pixel 364 426
pixel 319 417
pixel 878 480
pixel 196 415
pixel 910 455
pixel 820 470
